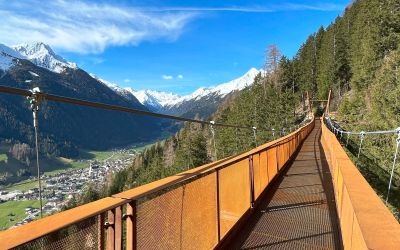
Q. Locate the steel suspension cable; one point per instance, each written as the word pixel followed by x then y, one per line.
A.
pixel 255 135
pixel 213 138
pixel 69 100
pixel 34 106
pixel 337 130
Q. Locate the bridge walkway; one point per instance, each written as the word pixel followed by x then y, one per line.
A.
pixel 299 210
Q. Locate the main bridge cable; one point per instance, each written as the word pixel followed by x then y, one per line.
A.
pixel 57 98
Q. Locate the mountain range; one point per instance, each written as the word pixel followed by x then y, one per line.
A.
pixel 88 127
pixel 202 103
pixel 65 126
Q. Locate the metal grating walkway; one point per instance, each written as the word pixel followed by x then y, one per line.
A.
pixel 299 210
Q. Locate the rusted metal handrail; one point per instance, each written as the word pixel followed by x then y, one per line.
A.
pixel 365 221
pixel 284 147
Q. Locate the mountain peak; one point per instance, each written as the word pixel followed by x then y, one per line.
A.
pixel 43 56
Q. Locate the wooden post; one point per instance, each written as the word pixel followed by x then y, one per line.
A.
pixel 251 178
pixel 118 228
pixel 218 209
pixel 131 225
pixel 110 229
pixel 100 236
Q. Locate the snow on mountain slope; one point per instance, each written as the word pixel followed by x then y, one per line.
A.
pixel 156 100
pixel 153 99
pixel 221 90
pixel 117 89
pixel 43 56
pixel 7 57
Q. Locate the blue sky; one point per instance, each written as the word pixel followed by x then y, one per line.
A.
pixel 174 46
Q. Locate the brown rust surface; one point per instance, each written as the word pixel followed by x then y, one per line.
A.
pixel 299 211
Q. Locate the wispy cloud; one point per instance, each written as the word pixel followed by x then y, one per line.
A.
pixel 127 80
pixel 167 77
pixel 179 76
pixel 88 27
pixel 256 8
pixel 85 27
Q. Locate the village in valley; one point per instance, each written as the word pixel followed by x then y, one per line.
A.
pixel 59 188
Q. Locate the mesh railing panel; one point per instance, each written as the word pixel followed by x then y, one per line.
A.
pixel 182 218
pixel 79 236
pixel 234 194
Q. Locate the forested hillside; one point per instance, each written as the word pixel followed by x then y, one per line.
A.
pixel 357 56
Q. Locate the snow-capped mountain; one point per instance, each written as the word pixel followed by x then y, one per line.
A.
pixel 170 102
pixel 125 93
pixel 221 90
pixel 43 56
pixel 154 100
pixel 159 100
pixel 203 101
pixel 68 126
pixel 8 57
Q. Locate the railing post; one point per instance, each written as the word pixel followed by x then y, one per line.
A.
pixel 100 236
pixel 277 158
pixel 131 225
pixel 118 228
pixel 218 208
pixel 110 229
pixel 251 176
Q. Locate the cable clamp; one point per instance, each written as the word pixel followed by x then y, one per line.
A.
pixel 34 99
pixel 398 136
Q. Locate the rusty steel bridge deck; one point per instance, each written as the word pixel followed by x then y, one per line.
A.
pixel 299 210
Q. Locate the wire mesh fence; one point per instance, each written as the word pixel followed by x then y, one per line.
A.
pixel 79 236
pixel 196 212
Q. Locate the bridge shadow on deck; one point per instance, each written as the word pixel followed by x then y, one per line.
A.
pixel 299 210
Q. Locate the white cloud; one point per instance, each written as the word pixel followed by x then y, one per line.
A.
pixel 260 8
pixel 127 80
pixel 179 76
pixel 89 27
pixel 167 77
pixel 85 27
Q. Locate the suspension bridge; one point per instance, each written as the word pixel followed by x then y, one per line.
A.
pixel 300 191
